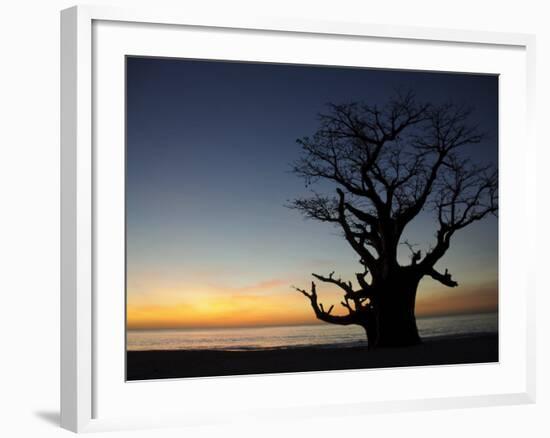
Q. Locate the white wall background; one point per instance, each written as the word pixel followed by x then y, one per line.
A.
pixel 29 215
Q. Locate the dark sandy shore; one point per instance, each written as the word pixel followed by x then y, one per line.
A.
pixel 143 365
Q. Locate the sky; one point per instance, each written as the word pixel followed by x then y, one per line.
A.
pixel 210 146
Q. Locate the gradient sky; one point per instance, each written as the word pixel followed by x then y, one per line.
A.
pixel 209 149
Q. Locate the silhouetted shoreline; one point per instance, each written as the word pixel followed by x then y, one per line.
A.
pixel 144 365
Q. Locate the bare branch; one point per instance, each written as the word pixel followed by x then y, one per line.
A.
pixel 444 279
pixel 304 292
pixel 320 312
pixel 321 208
pixel 467 194
pixel 365 254
pixel 415 255
pixel 347 287
pixel 346 304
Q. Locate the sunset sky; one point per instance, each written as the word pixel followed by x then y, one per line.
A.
pixel 209 151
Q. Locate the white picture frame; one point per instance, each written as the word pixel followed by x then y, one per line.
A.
pixel 86 378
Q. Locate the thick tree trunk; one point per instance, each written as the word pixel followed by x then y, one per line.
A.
pixel 393 322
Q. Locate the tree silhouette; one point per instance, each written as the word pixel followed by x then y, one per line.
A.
pixel 387 165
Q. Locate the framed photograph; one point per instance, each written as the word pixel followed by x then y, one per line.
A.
pixel 269 207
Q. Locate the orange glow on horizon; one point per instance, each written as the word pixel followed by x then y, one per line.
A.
pixel 268 303
pixel 469 300
pixel 222 311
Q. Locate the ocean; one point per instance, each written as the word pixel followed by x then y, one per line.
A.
pixel 320 335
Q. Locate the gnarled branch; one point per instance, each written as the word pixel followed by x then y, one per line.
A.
pixel 320 312
pixel 444 279
pixel 347 287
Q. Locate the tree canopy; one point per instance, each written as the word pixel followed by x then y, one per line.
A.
pixel 385 166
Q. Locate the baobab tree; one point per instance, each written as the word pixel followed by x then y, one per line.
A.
pixel 384 166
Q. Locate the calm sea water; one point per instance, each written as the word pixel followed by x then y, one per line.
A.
pixel 252 338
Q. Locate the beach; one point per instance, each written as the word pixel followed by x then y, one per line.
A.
pixel 444 350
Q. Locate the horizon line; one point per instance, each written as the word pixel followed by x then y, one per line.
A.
pixel 290 324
